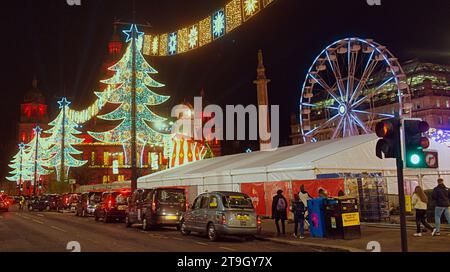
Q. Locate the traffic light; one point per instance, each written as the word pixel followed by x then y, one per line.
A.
pixel 388 146
pixel 415 143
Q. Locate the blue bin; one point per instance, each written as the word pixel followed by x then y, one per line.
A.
pixel 316 217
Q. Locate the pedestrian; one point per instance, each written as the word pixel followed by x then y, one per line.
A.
pixel 441 195
pixel 279 211
pixel 419 202
pixel 298 209
pixel 304 197
pixel 21 203
pixel 323 193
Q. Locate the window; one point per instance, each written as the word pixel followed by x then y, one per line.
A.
pixel 121 161
pixel 213 202
pixel 105 158
pixel 205 202
pixel 92 158
pixel 105 179
pixel 438 103
pixel 440 121
pixel 447 103
pixel 197 203
pixel 120 178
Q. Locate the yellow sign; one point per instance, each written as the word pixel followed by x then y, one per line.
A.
pixel 350 219
pixel 408 204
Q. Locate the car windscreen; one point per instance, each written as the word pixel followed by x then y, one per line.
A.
pixel 237 202
pixel 95 198
pixel 168 196
pixel 121 199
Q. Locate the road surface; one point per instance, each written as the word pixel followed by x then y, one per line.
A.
pixel 51 232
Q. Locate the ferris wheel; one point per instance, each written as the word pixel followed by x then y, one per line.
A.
pixel 352 84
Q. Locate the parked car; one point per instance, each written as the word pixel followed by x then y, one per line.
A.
pixel 219 214
pixel 45 202
pixel 156 207
pixel 68 202
pixel 87 202
pixel 112 207
pixel 4 204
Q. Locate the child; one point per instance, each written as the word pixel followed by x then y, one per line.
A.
pixel 298 209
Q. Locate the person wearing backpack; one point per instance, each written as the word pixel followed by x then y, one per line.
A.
pixel 298 209
pixel 279 211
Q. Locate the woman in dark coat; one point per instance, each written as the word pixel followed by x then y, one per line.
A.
pixel 279 211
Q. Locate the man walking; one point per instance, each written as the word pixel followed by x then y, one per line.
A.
pixel 441 195
pixel 279 211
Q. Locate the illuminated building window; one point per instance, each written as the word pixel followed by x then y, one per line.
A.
pixel 447 104
pixel 105 158
pixel 105 179
pixel 438 103
pixel 121 161
pixel 440 121
pixel 92 158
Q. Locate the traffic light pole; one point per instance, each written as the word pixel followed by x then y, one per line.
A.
pixel 401 195
pixel 401 189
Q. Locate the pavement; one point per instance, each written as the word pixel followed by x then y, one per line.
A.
pixel 51 232
pixel 387 236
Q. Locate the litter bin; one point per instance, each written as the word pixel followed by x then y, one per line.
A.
pixel 342 218
pixel 316 217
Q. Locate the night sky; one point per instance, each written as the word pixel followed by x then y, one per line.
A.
pixel 64 47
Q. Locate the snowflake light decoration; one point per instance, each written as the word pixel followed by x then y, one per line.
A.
pixel 173 43
pixel 193 37
pixel 440 136
pixel 218 24
pixel 250 7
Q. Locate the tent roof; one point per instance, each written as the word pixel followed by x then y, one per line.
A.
pixel 336 156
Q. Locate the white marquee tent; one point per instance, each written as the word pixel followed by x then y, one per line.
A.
pixel 300 162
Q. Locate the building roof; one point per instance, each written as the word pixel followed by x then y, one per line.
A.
pixel 34 95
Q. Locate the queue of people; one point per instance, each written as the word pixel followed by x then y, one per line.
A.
pixel 299 209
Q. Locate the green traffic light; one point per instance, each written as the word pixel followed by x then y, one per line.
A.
pixel 415 159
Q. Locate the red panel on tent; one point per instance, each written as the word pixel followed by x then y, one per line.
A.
pixel 257 193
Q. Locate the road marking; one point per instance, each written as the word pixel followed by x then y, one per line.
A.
pixel 202 244
pixel 56 228
pixel 228 248
pixel 41 215
pixel 37 221
pixel 179 239
pixel 26 217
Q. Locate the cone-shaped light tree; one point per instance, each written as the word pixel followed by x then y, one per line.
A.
pixel 120 92
pixel 62 138
pixel 22 169
pixel 38 153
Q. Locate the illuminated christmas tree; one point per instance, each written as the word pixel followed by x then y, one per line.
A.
pixel 119 92
pixel 22 169
pixel 38 153
pixel 62 125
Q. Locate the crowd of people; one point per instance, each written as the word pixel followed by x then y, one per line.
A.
pixel 420 202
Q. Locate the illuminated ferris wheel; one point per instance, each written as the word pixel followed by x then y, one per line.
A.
pixel 352 84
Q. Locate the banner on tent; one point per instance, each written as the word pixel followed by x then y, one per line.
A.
pixel 257 193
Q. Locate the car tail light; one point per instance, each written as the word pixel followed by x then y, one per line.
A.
pixel 224 220
pixel 258 220
pixel 110 203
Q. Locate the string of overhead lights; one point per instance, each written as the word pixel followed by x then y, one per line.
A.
pixel 205 31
